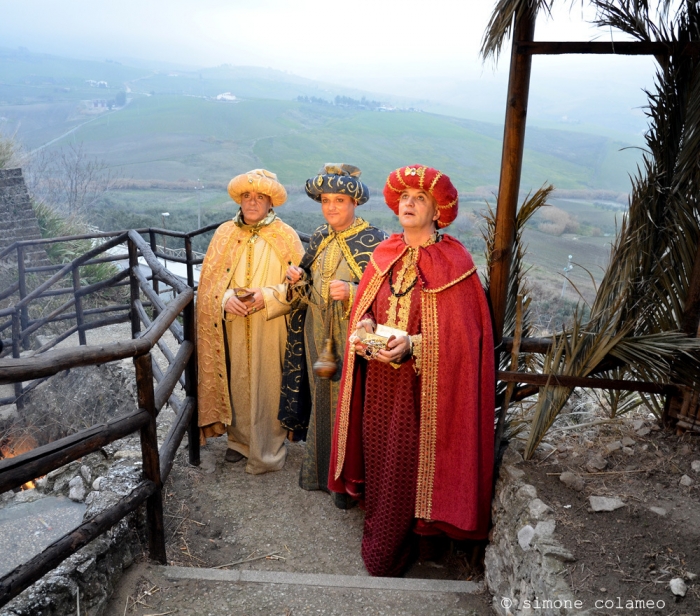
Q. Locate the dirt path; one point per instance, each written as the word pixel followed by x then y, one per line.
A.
pixel 218 514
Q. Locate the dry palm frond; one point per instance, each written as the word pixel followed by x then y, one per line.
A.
pixel 517 281
pixel 638 311
pixel 502 20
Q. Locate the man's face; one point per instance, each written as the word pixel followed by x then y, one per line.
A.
pixel 417 209
pixel 255 206
pixel 338 210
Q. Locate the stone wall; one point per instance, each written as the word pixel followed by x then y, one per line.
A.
pixel 17 219
pixel 524 559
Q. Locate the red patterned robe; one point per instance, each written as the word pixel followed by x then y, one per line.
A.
pixel 417 449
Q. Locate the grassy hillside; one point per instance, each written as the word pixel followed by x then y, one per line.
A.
pixel 177 137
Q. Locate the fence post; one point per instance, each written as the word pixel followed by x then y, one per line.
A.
pixel 189 330
pixel 79 317
pixel 16 330
pixel 154 279
pixel 134 288
pixel 151 461
pixel 24 311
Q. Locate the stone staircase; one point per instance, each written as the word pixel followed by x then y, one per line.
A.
pixel 17 218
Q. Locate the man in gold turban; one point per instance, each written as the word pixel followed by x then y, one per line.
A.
pixel 241 324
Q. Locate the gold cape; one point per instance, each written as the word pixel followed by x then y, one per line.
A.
pixel 225 251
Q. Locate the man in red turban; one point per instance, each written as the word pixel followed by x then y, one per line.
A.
pixel 413 437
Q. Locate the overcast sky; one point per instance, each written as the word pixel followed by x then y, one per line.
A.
pixel 406 47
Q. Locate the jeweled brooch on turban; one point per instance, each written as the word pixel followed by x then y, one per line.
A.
pixel 431 181
pixel 339 179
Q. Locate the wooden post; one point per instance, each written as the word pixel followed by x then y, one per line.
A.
pixel 24 311
pixel 154 279
pixel 16 327
pixel 134 287
pixel 190 334
pixel 151 461
pixel 678 405
pixel 511 167
pixel 79 316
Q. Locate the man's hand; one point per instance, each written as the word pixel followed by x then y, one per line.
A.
pixel 397 350
pixel 368 326
pixel 258 302
pixel 243 309
pixel 339 290
pixel 236 306
pixel 294 274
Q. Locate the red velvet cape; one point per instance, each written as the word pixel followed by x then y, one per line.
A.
pixel 457 390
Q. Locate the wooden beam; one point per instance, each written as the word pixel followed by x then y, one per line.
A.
pixel 13 370
pixel 168 449
pixel 42 460
pixel 511 168
pixel 172 376
pixel 588 382
pixel 26 574
pixel 620 48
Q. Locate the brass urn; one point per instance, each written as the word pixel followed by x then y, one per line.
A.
pixel 326 365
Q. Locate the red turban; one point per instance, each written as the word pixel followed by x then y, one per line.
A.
pixel 428 179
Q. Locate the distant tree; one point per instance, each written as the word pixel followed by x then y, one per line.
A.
pixel 120 99
pixel 68 179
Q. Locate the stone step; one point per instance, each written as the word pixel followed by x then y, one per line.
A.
pixel 322 580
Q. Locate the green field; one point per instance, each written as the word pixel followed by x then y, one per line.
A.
pixel 173 132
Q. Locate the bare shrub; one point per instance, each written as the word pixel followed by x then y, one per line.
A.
pixel 555 221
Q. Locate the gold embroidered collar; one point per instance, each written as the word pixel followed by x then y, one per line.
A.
pixel 240 222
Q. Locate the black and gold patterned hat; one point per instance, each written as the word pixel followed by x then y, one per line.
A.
pixel 339 179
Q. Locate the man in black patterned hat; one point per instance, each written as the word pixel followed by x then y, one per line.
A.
pixel 322 289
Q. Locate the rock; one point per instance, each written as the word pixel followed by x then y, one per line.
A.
pixel 526 492
pixel 614 446
pixel 514 473
pixel 637 424
pixel 96 483
pixel 85 473
pixel 628 451
pixel 572 480
pixel 678 587
pixel 695 465
pixel 690 576
pixel 603 503
pixel 128 454
pixel 91 497
pixel 686 481
pixel 547 547
pixel 658 511
pixel 525 535
pixel 42 482
pixel 628 442
pixel 596 463
pixel 538 508
pixel 643 431
pixel 545 528
pixel 512 456
pixel 77 489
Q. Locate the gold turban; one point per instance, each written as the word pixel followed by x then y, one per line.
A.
pixel 257 180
